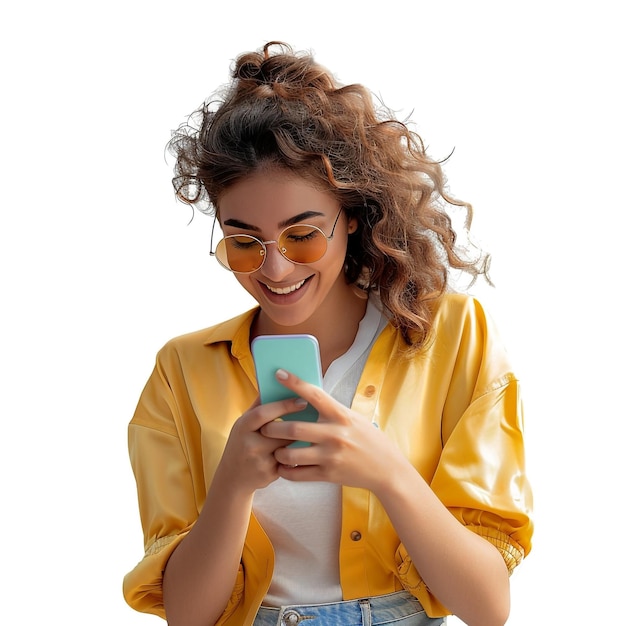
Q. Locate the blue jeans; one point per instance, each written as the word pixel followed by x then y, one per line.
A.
pixel 395 609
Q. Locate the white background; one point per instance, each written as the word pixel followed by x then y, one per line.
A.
pixel 100 267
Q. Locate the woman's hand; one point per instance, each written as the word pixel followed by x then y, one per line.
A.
pixel 248 458
pixel 346 447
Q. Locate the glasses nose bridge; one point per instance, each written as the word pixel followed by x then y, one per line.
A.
pixel 281 250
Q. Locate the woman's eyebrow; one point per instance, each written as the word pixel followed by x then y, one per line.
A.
pixel 305 215
pixel 242 225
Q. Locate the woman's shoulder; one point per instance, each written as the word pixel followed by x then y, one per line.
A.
pixel 457 302
pixel 463 320
pixel 463 323
pixel 459 310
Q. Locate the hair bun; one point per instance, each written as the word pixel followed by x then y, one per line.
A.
pixel 268 67
pixel 251 71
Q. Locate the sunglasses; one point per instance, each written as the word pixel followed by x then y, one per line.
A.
pixel 300 243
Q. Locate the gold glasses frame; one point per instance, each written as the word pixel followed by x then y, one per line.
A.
pixel 264 244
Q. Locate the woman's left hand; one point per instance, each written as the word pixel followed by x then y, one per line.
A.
pixel 346 447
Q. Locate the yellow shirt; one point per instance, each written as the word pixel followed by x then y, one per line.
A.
pixel 454 410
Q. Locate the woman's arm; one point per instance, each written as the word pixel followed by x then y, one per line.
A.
pixel 201 572
pixel 462 570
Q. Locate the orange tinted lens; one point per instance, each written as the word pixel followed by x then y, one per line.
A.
pixel 303 244
pixel 240 253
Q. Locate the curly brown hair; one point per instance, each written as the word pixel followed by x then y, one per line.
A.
pixel 283 109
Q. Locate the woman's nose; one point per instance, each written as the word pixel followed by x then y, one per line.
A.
pixel 276 267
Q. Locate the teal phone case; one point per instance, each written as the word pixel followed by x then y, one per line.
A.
pixel 298 354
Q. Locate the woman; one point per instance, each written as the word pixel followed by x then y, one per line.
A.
pixel 411 503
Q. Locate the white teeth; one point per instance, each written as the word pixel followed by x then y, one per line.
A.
pixel 283 290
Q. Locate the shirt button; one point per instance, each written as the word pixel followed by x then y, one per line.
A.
pixel 355 535
pixel 369 391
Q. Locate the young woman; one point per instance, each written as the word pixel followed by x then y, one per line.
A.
pixel 411 503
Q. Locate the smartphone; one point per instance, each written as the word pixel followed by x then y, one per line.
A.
pixel 298 354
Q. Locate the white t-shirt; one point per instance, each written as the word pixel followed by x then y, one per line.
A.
pixel 303 520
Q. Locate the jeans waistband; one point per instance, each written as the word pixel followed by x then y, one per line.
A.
pixel 365 612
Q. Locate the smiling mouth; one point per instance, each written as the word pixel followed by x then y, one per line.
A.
pixel 285 290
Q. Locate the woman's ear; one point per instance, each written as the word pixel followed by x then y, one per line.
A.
pixel 353 224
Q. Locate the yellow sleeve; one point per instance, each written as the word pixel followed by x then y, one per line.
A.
pixel 167 501
pixel 481 475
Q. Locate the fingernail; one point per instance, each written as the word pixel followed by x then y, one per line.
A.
pixel 301 402
pixel 282 374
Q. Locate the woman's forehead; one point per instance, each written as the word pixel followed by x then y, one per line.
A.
pixel 274 198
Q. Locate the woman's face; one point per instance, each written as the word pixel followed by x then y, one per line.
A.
pixel 289 294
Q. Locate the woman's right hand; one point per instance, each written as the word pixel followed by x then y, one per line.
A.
pixel 248 457
pixel 202 570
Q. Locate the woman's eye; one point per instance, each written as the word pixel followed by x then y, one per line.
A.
pixel 243 243
pixel 303 235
